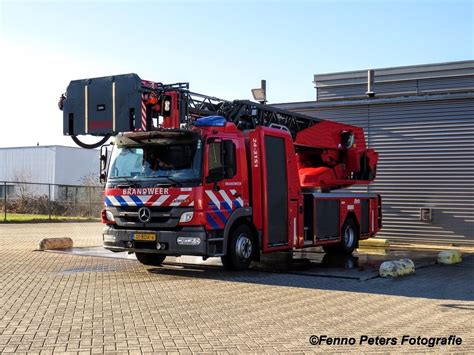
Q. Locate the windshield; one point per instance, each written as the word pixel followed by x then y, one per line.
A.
pixel 172 163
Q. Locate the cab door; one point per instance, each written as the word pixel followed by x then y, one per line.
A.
pixel 277 201
pixel 224 190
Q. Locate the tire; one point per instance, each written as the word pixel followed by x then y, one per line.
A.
pixel 240 249
pixel 349 238
pixel 150 259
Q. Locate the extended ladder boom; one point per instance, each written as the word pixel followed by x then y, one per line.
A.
pixel 125 103
pixel 121 103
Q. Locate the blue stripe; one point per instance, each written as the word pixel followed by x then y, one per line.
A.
pixel 227 207
pixel 211 221
pixel 137 200
pixel 237 203
pixel 107 201
pixel 121 201
pixel 221 216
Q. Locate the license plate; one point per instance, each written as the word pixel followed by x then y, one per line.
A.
pixel 147 237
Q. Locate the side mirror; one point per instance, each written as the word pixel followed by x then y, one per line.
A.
pixel 103 163
pixel 103 177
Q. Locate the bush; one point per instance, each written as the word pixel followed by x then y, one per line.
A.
pixel 37 205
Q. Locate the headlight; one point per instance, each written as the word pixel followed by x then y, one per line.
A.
pixel 109 238
pixel 109 215
pixel 188 240
pixel 186 217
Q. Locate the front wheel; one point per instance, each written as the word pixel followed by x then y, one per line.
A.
pixel 241 248
pixel 150 259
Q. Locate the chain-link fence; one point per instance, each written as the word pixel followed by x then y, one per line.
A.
pixel 49 201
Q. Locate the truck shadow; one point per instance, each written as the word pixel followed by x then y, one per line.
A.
pixel 441 282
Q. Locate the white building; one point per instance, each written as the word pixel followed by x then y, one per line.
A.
pixel 51 164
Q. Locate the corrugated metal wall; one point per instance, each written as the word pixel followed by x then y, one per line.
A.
pixel 28 164
pixel 421 121
pixel 75 164
pixel 426 160
pixel 413 80
pixel 48 164
pixel 32 164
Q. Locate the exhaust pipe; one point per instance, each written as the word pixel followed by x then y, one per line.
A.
pixel 370 83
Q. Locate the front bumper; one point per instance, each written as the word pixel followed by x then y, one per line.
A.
pixel 123 240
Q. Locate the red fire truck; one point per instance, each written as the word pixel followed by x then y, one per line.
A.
pixel 196 175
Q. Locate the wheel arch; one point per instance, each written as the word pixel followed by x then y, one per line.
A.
pixel 238 217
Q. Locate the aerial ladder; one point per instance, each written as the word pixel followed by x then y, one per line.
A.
pixel 331 155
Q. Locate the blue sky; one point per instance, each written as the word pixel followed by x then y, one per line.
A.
pixel 222 48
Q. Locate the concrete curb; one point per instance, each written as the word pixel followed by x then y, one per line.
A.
pixel 55 243
pixel 397 268
pixel 374 243
pixel 440 247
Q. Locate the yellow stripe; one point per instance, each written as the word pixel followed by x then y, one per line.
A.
pixel 113 106
pixel 86 108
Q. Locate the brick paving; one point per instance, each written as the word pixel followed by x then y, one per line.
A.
pixel 60 303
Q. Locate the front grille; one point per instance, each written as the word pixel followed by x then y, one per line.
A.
pixel 152 220
pixel 161 217
pixel 163 209
pixel 159 214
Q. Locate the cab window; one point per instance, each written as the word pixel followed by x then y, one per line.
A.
pixel 222 159
pixel 215 155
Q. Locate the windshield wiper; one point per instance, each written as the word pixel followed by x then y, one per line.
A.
pixel 131 183
pixel 173 180
pixel 176 182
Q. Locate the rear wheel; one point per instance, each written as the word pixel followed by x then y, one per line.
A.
pixel 240 250
pixel 349 239
pixel 150 259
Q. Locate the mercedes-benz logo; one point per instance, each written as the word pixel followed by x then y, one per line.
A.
pixel 144 214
